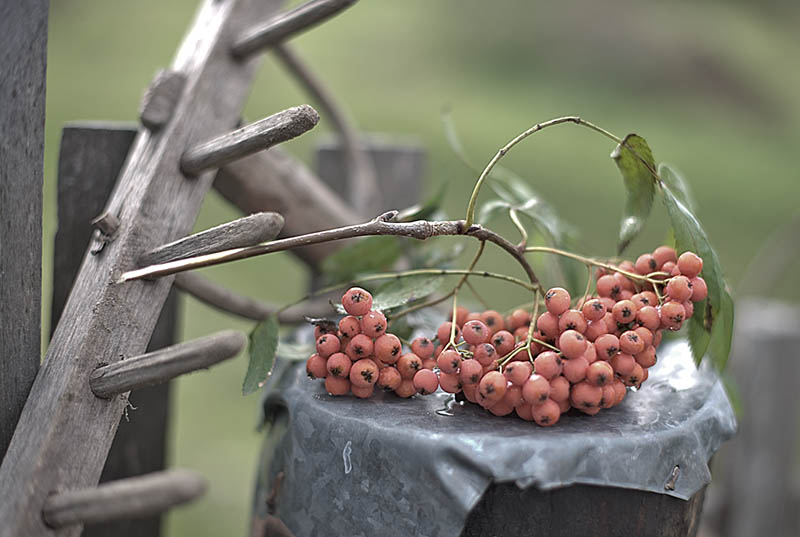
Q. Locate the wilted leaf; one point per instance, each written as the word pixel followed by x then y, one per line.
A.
pixel 372 254
pixel 401 291
pixel 263 343
pixel 635 161
pixel 717 320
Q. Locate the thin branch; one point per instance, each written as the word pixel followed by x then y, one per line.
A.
pixel 420 229
pixel 363 189
pixel 226 300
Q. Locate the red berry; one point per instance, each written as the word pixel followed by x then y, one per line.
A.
pixel 443 333
pixel 557 300
pixel 572 344
pixel 388 348
pixel 631 343
pixel 450 383
pixel 364 373
pixel 536 389
pixel 449 361
pixel 373 324
pixel 492 387
pixel 600 373
pixel 518 319
pixel 548 364
pixel 621 390
pixel 688 308
pixel 623 282
pixel 547 324
pixel 546 414
pixel 513 396
pixel 360 346
pixel 671 268
pixel 559 389
pixel 425 381
pixel 607 346
pixel 672 315
pixel 485 354
pixel 475 332
pixel 690 264
pixel 593 310
pixel 337 386
pixel 316 367
pixel 585 396
pixel 645 335
pixel 430 363
pixel 406 388
pixel 646 358
pixel 518 373
pixel 422 347
pixel 635 377
pixel 699 289
pixel 595 329
pixel 611 323
pixel 470 392
pixel 349 326
pixel 524 411
pixel 609 398
pixel 590 353
pixel 663 254
pixel 503 342
pixel 408 365
pixel 572 320
pixel 362 392
pixel 389 378
pixel 338 365
pixel 521 333
pixel 649 318
pixel 646 264
pixel 327 344
pixel 624 311
pixel 623 364
pixel 607 286
pixel 679 289
pixel 357 301
pixel 461 315
pixel 575 370
pixel 493 320
pixel 471 371
pixel 500 408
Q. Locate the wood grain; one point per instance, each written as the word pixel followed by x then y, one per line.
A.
pixel 123 499
pixel 286 25
pixel 23 59
pixel 252 138
pixel 160 99
pixel 64 432
pixel 166 364
pixel 246 231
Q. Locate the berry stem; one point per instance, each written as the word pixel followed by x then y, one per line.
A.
pixel 588 261
pixel 506 148
pixel 580 304
pixel 512 213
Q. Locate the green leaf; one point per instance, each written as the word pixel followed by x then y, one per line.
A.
pixel 425 210
pixel 296 352
pixel 491 209
pixel 401 291
pixel 712 325
pixel 263 342
pixel 436 252
pixel 635 161
pixel 372 254
pixel 677 184
pixel 451 135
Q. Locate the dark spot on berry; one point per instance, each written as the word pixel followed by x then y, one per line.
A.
pixel 424 342
pixel 455 363
pixel 598 306
pixel 611 351
pixel 490 320
pixel 395 350
pixel 653 264
pixel 677 318
pixel 358 349
pixel 571 326
pixel 549 295
pixel 579 337
pixel 415 365
pixel 616 290
pixel 475 378
pixel 367 374
pixel 601 378
pixel 626 312
pixel 543 397
pixel 545 419
pixel 336 371
pixel 633 337
pixel 558 360
pixel 489 389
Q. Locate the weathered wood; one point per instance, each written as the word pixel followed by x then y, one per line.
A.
pixel 755 490
pixel 363 189
pixel 64 432
pixel 268 132
pixel 160 98
pixel 400 166
pixel 123 499
pixel 504 509
pixel 165 364
pixel 23 60
pixel 276 181
pixel 92 155
pixel 224 299
pixel 286 25
pixel 246 231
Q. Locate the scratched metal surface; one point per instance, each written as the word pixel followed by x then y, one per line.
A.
pixel 364 467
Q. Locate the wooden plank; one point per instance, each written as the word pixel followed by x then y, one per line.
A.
pixel 166 364
pixel 23 60
pixel 64 433
pixel 124 499
pixel 91 157
pixel 247 231
pixel 232 146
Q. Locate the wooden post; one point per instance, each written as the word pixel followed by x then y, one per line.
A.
pixel 92 155
pixel 23 59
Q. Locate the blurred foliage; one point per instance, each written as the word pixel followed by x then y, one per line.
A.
pixel 708 84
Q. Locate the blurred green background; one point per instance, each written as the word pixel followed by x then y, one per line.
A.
pixel 711 85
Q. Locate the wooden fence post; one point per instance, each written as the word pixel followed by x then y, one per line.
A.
pixel 23 60
pixel 92 155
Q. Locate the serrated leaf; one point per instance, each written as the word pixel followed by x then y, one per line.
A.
pixel 677 184
pixel 263 343
pixel 635 162
pixel 296 352
pixel 717 320
pixel 401 291
pixel 372 254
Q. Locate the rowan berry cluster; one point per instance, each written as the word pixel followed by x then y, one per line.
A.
pixel 580 354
